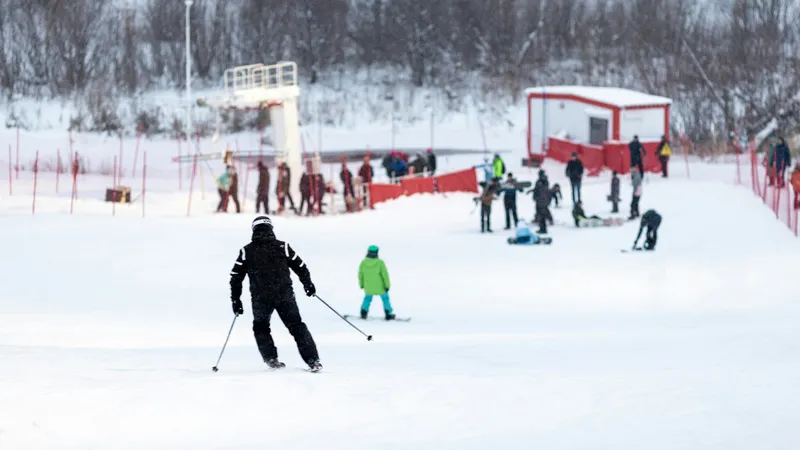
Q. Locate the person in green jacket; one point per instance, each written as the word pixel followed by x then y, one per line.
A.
pixel 373 278
pixel 223 187
pixel 498 166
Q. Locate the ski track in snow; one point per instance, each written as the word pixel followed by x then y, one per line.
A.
pixel 109 327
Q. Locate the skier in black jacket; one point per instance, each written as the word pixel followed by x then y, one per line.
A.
pixel 575 174
pixel 541 198
pixel 267 261
pixel 652 220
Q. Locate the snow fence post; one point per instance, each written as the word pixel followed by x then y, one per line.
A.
pixel 35 180
pixel 191 186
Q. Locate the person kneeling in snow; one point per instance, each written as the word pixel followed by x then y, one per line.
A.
pixel 652 220
pixel 373 278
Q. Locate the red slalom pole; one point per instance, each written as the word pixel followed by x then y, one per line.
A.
pixel 144 179
pixel 74 183
pixel 10 178
pixel 58 167
pixel 119 169
pixel 35 181
pixel 246 177
pixel 191 186
pixel 136 152
pixel 180 166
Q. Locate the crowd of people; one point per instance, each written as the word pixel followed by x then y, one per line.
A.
pixel 544 195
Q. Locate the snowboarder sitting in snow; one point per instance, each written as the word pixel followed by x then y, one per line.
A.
pixel 267 262
pixel 652 220
pixel 373 278
pixel 582 221
pixel 555 193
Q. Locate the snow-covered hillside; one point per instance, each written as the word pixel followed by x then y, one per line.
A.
pixel 109 327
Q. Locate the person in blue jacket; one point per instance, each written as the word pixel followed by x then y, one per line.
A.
pixel 524 236
pixel 399 167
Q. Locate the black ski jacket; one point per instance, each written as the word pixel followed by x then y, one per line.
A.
pixel 651 220
pixel 574 170
pixel 267 261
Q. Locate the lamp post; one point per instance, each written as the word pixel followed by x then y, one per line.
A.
pixel 188 70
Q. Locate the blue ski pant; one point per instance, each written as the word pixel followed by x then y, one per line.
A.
pixel 386 305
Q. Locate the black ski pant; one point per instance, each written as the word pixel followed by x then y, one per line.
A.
pixel 511 211
pixel 286 307
pixel 640 165
pixel 486 217
pixel 542 215
pixel 576 190
pixel 262 199
pixel 305 200
pixel 651 238
pixel 223 201
pixel 663 159
pixel 635 206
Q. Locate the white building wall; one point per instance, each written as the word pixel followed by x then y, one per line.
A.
pixel 648 124
pixel 552 116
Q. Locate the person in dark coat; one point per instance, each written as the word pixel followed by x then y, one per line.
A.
pixel 347 180
pixel 365 173
pixel 419 164
pixel 431 162
pixel 652 220
pixel 546 183
pixel 510 200
pixel 614 198
pixel 387 165
pixel 541 198
pixel 282 187
pixel 267 262
pixel 262 190
pixel 637 154
pixel 575 174
pixel 783 159
pixel 305 194
pixel 319 184
pixel 233 192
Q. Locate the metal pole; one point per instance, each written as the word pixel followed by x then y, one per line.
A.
pixel 188 71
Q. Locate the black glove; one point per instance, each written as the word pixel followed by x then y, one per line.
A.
pixel 238 309
pixel 387 289
pixel 310 289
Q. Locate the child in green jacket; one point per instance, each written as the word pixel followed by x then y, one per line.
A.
pixel 373 278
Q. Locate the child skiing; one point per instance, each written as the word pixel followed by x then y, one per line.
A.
pixel 373 278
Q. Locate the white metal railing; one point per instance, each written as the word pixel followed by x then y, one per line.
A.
pixel 259 76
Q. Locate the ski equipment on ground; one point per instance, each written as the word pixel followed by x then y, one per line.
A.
pixel 396 319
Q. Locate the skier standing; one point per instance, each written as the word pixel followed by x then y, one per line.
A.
pixel 575 174
pixel 664 152
pixel 637 154
pixel 652 220
pixel 267 262
pixel 486 199
pixel 510 200
pixel 233 190
pixel 223 184
pixel 373 278
pixel 541 198
pixel 262 191
pixel 636 181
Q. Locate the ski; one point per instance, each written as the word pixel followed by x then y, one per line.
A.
pixel 383 319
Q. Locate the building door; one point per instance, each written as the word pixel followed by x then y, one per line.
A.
pixel 598 131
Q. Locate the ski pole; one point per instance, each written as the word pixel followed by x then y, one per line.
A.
pixel 369 337
pixel 226 344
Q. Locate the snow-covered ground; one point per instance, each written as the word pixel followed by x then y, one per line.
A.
pixel 109 327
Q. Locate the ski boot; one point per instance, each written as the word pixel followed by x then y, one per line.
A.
pixel 364 314
pixel 275 364
pixel 389 316
pixel 314 366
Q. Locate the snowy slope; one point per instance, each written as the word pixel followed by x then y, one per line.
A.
pixel 109 327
